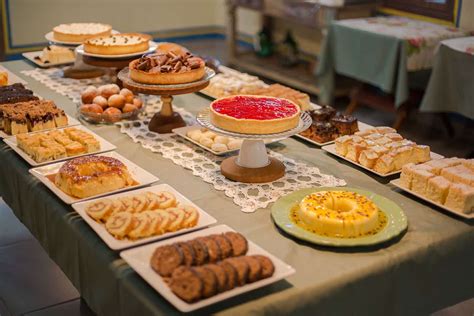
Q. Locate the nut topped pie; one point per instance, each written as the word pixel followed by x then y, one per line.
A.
pixel 249 114
pixel 79 32
pixel 167 68
pixel 117 44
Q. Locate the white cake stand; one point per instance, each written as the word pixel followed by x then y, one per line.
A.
pixel 252 164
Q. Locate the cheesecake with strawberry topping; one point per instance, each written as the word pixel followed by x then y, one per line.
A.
pixel 249 114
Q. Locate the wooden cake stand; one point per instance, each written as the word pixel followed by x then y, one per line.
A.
pixel 166 120
pixel 253 165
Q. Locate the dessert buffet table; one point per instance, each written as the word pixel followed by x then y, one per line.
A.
pixel 425 269
pixel 381 51
pixel 451 88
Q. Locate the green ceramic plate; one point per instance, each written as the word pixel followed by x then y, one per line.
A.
pixel 396 219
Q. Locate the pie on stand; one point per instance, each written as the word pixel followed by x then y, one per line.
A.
pixel 261 118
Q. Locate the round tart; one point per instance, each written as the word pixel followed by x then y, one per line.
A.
pixel 167 68
pixel 79 32
pixel 249 114
pixel 92 175
pixel 339 213
pixel 117 44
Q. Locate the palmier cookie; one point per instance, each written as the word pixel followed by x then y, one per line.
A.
pixel 239 243
pixel 119 224
pixel 177 218
pixel 224 244
pixel 186 284
pixel 212 247
pixel 191 216
pixel 140 227
pixel 209 281
pixel 267 266
pixel 188 253
pixel 242 268
pixel 166 258
pixel 231 274
pixel 255 268
pixel 221 276
pixel 200 250
pixel 100 210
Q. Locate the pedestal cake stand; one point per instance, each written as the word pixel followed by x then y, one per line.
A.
pixel 253 165
pixel 166 120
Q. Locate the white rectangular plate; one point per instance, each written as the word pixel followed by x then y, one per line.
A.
pixel 31 57
pixel 396 183
pixel 140 175
pixel 104 147
pixel 12 78
pixel 70 122
pixel 362 127
pixel 139 259
pixel 116 244
pixel 332 149
pixel 182 131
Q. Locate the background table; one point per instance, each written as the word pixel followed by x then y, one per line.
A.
pixel 451 85
pixel 430 267
pixel 380 51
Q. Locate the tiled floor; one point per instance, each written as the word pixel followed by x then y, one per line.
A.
pixel 31 283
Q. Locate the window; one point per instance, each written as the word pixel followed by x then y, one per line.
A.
pixel 439 9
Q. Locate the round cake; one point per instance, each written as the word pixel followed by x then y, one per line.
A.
pixel 117 44
pixel 92 175
pixel 249 114
pixel 339 213
pixel 79 32
pixel 167 68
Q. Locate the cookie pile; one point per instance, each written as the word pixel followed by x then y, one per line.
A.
pixel 205 266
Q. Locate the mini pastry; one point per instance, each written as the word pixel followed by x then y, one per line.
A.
pixel 116 101
pixel 206 141
pixel 419 180
pixel 191 216
pixel 3 78
pixel 461 197
pixel 113 114
pixel 176 218
pixel 56 54
pixel 100 100
pixel 108 90
pixel 165 200
pixel 234 144
pixel 128 108
pixel 219 147
pixel 127 94
pixel 221 139
pixel 88 95
pixel 165 221
pixel 437 189
pixel 119 224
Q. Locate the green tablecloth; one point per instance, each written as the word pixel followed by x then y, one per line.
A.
pixel 430 267
pixel 373 58
pixel 382 51
pixel 451 85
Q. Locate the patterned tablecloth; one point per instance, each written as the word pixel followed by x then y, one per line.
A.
pixel 380 51
pixel 451 85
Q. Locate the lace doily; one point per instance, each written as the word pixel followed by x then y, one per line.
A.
pixel 201 163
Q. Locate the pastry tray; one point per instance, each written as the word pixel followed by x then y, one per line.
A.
pixel 139 259
pixel 397 183
pixel 182 131
pixel 116 244
pixel 332 149
pixel 104 147
pixel 71 122
pixel 138 174
pixel 31 57
pixel 362 126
